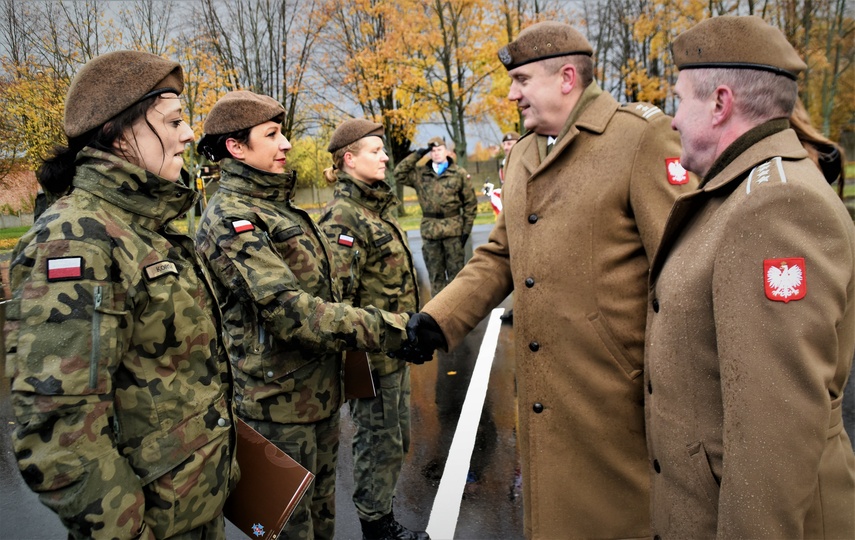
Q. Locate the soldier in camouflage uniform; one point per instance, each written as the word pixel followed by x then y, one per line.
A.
pixel 120 384
pixel 285 326
pixel 375 267
pixel 448 206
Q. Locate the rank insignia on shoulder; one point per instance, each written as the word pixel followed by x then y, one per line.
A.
pixel 242 225
pixel 785 279
pixel 677 175
pixel 345 240
pixel 64 268
pixel 160 269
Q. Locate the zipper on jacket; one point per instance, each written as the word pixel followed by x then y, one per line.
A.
pixel 96 338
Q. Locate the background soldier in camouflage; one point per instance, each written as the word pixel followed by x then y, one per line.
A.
pixel 448 206
pixel 119 383
pixel 375 267
pixel 285 329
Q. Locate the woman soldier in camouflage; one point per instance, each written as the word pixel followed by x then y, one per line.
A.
pixel 376 269
pixel 285 328
pixel 120 384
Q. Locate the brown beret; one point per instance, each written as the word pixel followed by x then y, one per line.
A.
pixel 511 136
pixel 436 141
pixel 730 41
pixel 239 110
pixel 541 41
pixel 351 131
pixel 108 84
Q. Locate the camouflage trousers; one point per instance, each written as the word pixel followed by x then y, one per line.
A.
pixel 315 447
pixel 444 258
pixel 382 438
pixel 213 530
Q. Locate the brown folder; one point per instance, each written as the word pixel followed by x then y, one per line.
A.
pixel 358 378
pixel 271 484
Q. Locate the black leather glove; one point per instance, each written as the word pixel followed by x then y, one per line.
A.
pixel 424 333
pixel 463 238
pixel 409 351
pixel 422 151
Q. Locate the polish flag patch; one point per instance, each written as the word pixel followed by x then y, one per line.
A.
pixel 242 225
pixel 345 240
pixel 785 279
pixel 65 268
pixel 677 175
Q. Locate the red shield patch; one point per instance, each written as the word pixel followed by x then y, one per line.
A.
pixel 785 279
pixel 677 175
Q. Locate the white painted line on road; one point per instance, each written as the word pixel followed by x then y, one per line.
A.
pixel 446 505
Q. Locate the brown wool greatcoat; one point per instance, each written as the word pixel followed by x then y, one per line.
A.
pixel 744 393
pixel 573 243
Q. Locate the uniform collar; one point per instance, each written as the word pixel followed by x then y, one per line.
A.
pixel 743 143
pixel 241 178
pixel 377 197
pixel 131 187
pixel 784 144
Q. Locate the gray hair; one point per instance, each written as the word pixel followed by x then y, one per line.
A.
pixel 759 95
pixel 583 63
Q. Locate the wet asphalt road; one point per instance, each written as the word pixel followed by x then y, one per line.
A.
pixel 491 506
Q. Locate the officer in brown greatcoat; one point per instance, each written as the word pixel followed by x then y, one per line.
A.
pixel 751 324
pixel 579 226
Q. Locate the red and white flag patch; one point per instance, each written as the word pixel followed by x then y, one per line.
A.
pixel 677 175
pixel 64 268
pixel 242 225
pixel 785 279
pixel 345 240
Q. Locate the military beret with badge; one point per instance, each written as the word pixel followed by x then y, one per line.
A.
pixel 541 41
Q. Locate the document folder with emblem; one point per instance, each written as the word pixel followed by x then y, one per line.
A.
pixel 270 487
pixel 358 376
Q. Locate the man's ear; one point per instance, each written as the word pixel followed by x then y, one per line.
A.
pixel 235 148
pixel 723 107
pixel 569 78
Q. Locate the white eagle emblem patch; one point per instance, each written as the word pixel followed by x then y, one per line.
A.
pixel 785 279
pixel 677 175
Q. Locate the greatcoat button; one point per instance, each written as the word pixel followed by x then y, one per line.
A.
pixel 537 407
pixel 532 218
pixel 221 422
pixel 529 282
pixel 270 374
pixel 534 346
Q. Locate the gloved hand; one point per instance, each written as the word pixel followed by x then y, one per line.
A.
pixel 422 151
pixel 463 238
pixel 410 351
pixel 424 333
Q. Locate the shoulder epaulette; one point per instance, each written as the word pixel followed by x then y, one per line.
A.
pixel 770 171
pixel 642 110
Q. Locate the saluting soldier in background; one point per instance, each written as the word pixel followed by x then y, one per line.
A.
pixel 449 206
pixel 579 226
pixel 120 384
pixel 376 268
pixel 751 323
pixel 285 326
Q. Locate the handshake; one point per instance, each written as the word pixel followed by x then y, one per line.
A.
pixel 424 336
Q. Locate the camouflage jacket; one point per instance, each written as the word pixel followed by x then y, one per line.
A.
pixel 448 201
pixel 373 261
pixel 285 326
pixel 120 383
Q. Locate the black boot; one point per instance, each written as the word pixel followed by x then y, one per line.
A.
pixel 387 528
